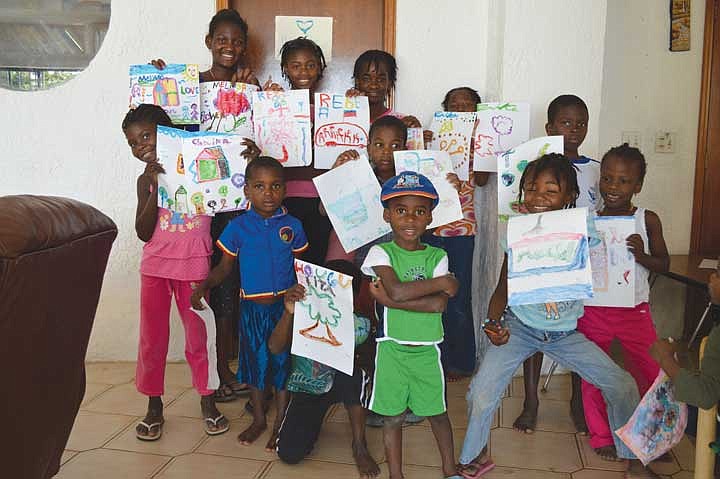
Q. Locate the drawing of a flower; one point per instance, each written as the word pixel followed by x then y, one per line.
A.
pixel 231 102
pixel 503 126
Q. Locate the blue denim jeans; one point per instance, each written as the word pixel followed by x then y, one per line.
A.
pixel 570 349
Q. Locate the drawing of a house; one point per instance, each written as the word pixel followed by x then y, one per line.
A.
pixel 211 165
pixel 165 92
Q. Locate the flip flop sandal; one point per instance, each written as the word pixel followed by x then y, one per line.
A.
pixel 213 422
pixel 480 469
pixel 224 393
pixel 149 427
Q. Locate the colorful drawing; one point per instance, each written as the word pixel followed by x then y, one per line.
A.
pixel 351 195
pixel 548 258
pixel 215 169
pixel 452 133
pixel 227 108
pixel 435 165
pixel 415 139
pixel 658 423
pixel 176 89
pixel 500 127
pixel 324 325
pixel 613 265
pixel 281 122
pixel 512 163
pixel 341 124
pixel 680 25
pixel 317 29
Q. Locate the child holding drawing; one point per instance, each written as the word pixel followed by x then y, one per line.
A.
pixel 517 332
pixel 412 287
pixel 264 242
pixel 175 257
pixel 567 115
pixel 622 172
pixel 316 387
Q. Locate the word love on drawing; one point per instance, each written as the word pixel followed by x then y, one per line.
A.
pixel 323 281
pixel 327 102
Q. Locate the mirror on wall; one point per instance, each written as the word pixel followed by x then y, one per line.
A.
pixel 45 43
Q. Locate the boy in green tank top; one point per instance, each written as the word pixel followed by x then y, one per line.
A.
pixel 412 288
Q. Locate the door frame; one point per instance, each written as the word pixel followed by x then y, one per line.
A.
pixel 389 17
pixel 702 156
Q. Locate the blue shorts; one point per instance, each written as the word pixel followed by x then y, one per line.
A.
pixel 257 366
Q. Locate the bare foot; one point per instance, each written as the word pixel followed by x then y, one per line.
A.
pixel 636 470
pixel 577 413
pixel 271 444
pixel 527 420
pixel 365 463
pixel 249 435
pixel 608 453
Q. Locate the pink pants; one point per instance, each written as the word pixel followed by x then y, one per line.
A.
pixel 634 328
pixel 155 296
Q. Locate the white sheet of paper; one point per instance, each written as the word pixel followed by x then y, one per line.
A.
pixel 452 133
pixel 281 120
pixel 341 123
pixel 227 108
pixel 204 171
pixel 708 264
pixel 208 317
pixel 176 89
pixel 613 265
pixel 317 29
pixel 324 325
pixel 435 165
pixel 500 127
pixel 512 163
pixel 351 196
pixel 548 258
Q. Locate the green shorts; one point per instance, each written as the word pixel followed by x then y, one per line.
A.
pixel 408 376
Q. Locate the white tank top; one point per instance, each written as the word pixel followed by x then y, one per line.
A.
pixel 642 274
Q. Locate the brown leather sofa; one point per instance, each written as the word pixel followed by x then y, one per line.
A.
pixel 53 254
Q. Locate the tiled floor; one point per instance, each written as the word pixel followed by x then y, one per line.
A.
pixel 103 442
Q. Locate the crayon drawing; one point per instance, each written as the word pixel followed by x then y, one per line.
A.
pixel 435 165
pixel 317 29
pixel 658 423
pixel 415 139
pixel 351 196
pixel 500 127
pixel 510 167
pixel 341 124
pixel 613 265
pixel 452 133
pixel 204 172
pixel 548 258
pixel 281 121
pixel 176 89
pixel 226 108
pixel 324 325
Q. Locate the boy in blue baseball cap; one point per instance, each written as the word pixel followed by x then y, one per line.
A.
pixel 412 288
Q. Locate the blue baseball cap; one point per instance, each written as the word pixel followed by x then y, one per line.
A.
pixel 408 183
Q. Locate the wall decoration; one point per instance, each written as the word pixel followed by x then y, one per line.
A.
pixel 679 25
pixel 317 29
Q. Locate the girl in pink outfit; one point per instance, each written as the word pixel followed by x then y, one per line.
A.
pixel 622 172
pixel 176 257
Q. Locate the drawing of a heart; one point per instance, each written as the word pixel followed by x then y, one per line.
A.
pixel 304 25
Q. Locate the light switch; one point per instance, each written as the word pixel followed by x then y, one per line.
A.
pixel 664 142
pixel 632 138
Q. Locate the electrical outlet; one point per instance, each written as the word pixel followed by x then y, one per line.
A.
pixel 632 138
pixel 664 142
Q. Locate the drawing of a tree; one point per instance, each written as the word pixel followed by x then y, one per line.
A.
pixel 327 314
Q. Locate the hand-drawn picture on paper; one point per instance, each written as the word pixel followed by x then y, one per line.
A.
pixel 351 196
pixel 658 423
pixel 317 29
pixel 341 124
pixel 548 258
pixel 510 167
pixel 500 127
pixel 324 325
pixel 613 265
pixel 679 25
pixel 226 108
pixel 204 172
pixel 176 89
pixel 452 132
pixel 435 165
pixel 281 121
pixel 415 139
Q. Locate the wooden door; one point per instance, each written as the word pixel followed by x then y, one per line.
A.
pixel 705 237
pixel 358 25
